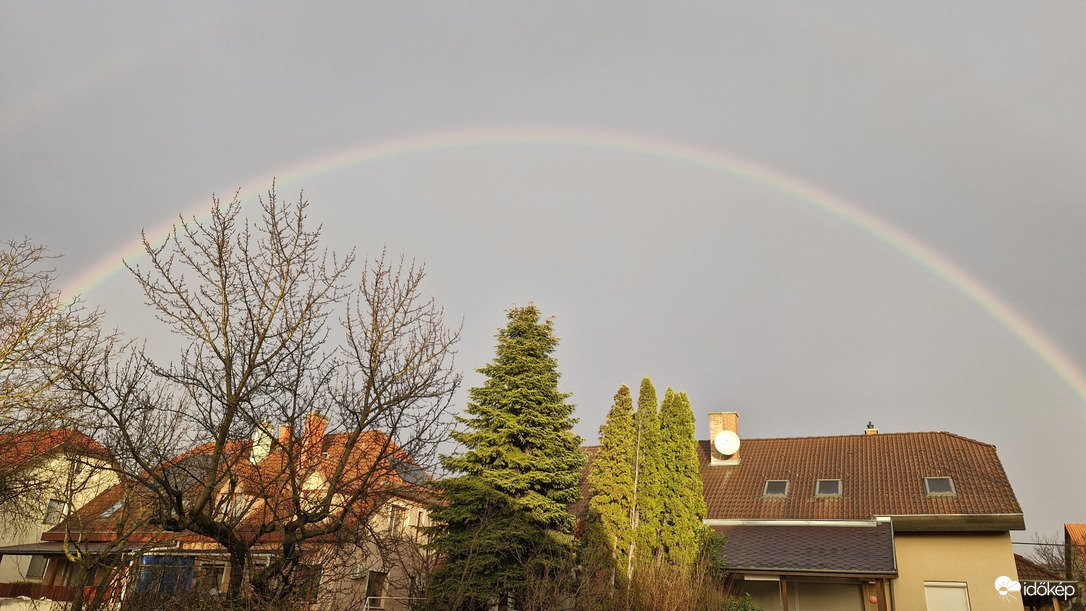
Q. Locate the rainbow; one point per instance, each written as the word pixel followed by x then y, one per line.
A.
pixel 655 148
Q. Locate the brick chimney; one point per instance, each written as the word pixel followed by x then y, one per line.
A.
pixel 718 423
pixel 313 438
pixel 285 433
pixel 871 430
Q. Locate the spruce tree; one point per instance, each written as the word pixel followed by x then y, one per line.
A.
pixel 646 517
pixel 612 483
pixel 683 504
pixel 505 520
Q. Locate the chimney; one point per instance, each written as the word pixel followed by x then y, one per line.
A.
pixel 262 443
pixel 723 434
pixel 285 433
pixel 871 430
pixel 313 438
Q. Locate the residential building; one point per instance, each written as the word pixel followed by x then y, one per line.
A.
pixel 1074 537
pixel 886 521
pixel 50 473
pixel 374 561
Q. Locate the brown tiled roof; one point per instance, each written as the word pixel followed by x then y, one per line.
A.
pixel 1076 536
pixel 881 475
pixel 18 448
pixel 1031 571
pixel 580 508
pixel 831 549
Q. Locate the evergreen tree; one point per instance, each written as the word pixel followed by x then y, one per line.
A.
pixel 505 520
pixel 646 517
pixel 612 483
pixel 682 502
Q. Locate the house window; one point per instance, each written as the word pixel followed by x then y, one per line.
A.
pixel 36 570
pixel 210 577
pixel 776 488
pixel 54 512
pixel 113 509
pixel 308 580
pixel 946 595
pixel 939 486
pixel 375 590
pixel 828 487
pixel 397 521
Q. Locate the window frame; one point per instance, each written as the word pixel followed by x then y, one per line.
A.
pixel 828 495
pixel 381 586
pixel 54 514
pixel 398 527
pixel 777 495
pixel 44 565
pixel 940 493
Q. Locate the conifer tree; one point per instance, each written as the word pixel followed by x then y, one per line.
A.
pixel 505 521
pixel 646 518
pixel 682 502
pixel 612 483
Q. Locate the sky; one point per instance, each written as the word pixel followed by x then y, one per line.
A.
pixel 814 214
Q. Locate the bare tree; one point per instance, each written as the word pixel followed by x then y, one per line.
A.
pixel 278 342
pixel 41 335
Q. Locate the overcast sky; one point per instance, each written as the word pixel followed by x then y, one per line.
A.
pixel 659 178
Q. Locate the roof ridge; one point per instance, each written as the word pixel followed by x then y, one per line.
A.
pixel 864 435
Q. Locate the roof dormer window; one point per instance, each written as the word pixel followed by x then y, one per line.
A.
pixel 939 486
pixel 777 488
pixel 828 487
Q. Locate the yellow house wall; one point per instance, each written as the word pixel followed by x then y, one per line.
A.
pixel 89 483
pixel 976 559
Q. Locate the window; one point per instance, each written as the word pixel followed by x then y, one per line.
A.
pixel 375 590
pixel 36 570
pixel 113 509
pixel 54 512
pixel 209 578
pixel 397 520
pixel 939 486
pixel 308 578
pixel 946 595
pixel 776 488
pixel 828 487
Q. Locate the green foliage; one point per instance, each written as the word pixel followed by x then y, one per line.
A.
pixel 740 604
pixel 648 474
pixel 506 519
pixel 612 482
pixel 682 507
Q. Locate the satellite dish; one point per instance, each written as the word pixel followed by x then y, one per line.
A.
pixel 726 442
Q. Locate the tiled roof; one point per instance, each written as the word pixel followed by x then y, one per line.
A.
pixel 835 549
pixel 1031 571
pixel 18 448
pixel 1076 536
pixel 881 475
pixel 580 508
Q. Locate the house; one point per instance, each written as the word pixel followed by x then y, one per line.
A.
pixel 1074 537
pixel 886 521
pixel 1048 599
pixel 49 473
pixel 374 561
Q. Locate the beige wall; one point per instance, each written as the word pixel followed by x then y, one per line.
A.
pixel 976 559
pixel 78 490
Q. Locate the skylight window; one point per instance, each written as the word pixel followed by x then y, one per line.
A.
pixel 828 487
pixel 776 488
pixel 939 486
pixel 113 509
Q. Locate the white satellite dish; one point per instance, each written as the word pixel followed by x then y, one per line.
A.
pixel 726 442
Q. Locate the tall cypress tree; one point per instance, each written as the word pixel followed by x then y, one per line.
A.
pixel 505 519
pixel 646 518
pixel 683 504
pixel 612 482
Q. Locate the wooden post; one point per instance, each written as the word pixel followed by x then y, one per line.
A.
pixel 784 593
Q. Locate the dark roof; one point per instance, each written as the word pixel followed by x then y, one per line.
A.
pixel 823 549
pixel 881 475
pixel 1031 571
